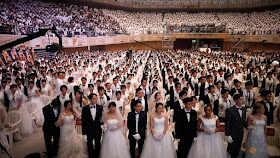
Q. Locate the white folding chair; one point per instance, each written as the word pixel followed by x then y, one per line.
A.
pixel 14 120
pixel 273 142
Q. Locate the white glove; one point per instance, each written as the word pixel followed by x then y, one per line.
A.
pixel 137 136
pixel 195 139
pixel 104 127
pixel 93 142
pixel 178 140
pixel 229 139
pixel 85 137
pixel 63 116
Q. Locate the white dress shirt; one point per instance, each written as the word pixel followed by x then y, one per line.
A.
pixel 239 110
pixel 137 120
pixel 188 114
pixel 93 111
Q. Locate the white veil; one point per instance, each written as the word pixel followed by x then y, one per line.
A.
pixel 119 115
pixel 152 99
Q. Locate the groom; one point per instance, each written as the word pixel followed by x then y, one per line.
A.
pixel 235 122
pixel 51 114
pixel 185 128
pixel 91 125
pixel 136 124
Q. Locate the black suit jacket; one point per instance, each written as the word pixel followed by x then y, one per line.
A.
pixel 142 124
pixel 206 100
pixel 186 131
pixel 177 109
pixel 202 91
pixel 234 90
pixel 90 127
pixel 269 115
pixel 6 100
pixel 235 124
pixel 133 102
pixel 277 90
pixel 50 119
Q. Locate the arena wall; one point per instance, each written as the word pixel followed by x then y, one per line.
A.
pixel 123 42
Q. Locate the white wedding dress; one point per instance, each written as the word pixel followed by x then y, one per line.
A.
pixel 34 100
pixel 208 146
pixel 70 144
pixel 114 144
pixel 3 137
pixel 26 124
pixel 163 148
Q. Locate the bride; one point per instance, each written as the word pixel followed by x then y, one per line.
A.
pixel 255 144
pixel 209 143
pixel 159 143
pixel 114 143
pixel 70 144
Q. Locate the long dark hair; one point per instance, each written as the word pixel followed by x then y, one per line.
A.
pixel 65 105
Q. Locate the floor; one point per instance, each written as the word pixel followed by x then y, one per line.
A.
pixel 29 144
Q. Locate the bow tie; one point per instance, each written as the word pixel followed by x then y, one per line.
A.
pixel 63 97
pixel 239 108
pixel 108 91
pixel 92 106
pixel 137 113
pixel 188 112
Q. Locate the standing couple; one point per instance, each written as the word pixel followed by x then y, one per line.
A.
pixel 60 125
pixel 114 143
pixel 256 126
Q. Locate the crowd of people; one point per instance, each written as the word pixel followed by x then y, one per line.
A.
pixel 256 23
pixel 138 23
pixel 71 20
pixel 153 99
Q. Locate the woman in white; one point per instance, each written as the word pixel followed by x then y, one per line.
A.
pixel 79 102
pixel 130 89
pixel 255 144
pixel 159 144
pixel 114 143
pixel 46 92
pixel 17 103
pixel 3 121
pixel 197 106
pixel 45 88
pixel 125 95
pixel 209 143
pixel 33 96
pixel 120 103
pixel 156 97
pixel 70 144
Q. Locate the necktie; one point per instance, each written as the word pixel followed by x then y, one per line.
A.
pixel 240 111
pixel 188 116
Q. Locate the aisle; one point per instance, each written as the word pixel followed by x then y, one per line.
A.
pixel 29 144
